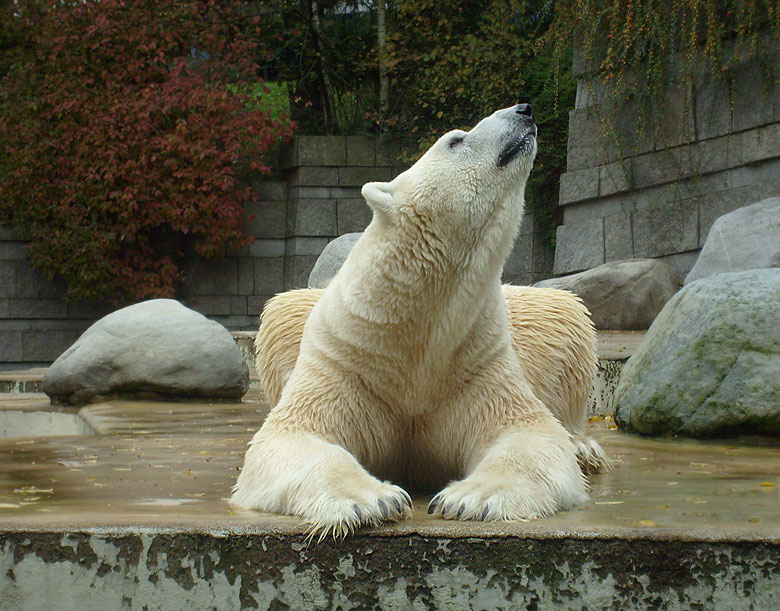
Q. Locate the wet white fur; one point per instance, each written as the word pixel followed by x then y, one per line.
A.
pixel 408 371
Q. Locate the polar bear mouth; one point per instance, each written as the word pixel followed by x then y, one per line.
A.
pixel 522 144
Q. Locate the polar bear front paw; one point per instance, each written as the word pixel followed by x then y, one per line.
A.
pixel 340 517
pixel 515 498
pixel 590 455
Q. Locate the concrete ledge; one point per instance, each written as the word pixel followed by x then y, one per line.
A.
pixel 255 569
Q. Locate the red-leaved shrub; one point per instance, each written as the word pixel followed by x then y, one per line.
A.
pixel 125 129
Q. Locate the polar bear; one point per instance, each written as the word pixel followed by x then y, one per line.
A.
pixel 552 335
pixel 406 374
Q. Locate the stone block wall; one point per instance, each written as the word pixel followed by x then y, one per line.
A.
pixel 531 260
pixel 657 194
pixel 324 176
pixel 35 323
pixel 316 199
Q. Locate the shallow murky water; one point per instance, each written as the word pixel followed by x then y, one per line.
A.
pixel 154 463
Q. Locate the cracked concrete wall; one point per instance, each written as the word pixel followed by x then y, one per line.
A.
pixel 196 570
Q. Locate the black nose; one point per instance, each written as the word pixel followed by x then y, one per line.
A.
pixel 525 109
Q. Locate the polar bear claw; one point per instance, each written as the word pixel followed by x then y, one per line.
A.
pixel 339 517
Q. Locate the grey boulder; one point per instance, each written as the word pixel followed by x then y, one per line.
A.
pixel 621 295
pixel 157 346
pixel 331 259
pixel 710 363
pixel 747 238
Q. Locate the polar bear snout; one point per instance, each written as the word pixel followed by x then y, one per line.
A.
pixel 519 133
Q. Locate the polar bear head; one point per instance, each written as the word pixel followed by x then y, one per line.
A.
pixel 466 190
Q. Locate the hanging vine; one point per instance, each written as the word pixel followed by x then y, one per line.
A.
pixel 633 55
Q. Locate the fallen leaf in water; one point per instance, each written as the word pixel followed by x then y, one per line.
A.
pixel 767 484
pixel 752 519
pixel 647 523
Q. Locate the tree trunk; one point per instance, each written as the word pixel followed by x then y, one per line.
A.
pixel 384 78
pixel 328 93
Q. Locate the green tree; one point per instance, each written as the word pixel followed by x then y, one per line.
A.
pixel 453 62
pixel 326 50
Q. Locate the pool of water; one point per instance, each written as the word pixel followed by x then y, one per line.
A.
pixel 31 415
pixel 17 423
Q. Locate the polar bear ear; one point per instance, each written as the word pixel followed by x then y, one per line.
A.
pixel 379 195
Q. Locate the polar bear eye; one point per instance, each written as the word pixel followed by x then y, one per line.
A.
pixel 456 141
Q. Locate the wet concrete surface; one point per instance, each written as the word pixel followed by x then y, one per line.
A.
pixel 171 465
pixel 618 345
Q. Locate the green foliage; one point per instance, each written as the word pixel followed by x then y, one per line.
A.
pixel 269 97
pixel 356 110
pixel 455 62
pixel 124 129
pixel 644 35
pixel 337 60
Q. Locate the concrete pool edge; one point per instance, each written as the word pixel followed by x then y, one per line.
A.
pixel 177 569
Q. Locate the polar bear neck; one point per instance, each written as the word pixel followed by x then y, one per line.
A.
pixel 406 303
pixel 414 271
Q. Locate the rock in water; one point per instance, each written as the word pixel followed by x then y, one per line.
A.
pixel 331 259
pixel 156 346
pixel 747 238
pixel 710 363
pixel 621 295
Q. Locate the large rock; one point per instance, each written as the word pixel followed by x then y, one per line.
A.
pixel 157 346
pixel 747 238
pixel 621 295
pixel 331 259
pixel 710 363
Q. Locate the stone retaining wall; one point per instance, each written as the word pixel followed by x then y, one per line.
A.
pixel 317 199
pixel 657 194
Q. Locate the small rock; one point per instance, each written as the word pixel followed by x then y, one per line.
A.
pixel 156 346
pixel 710 363
pixel 331 259
pixel 622 295
pixel 747 238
